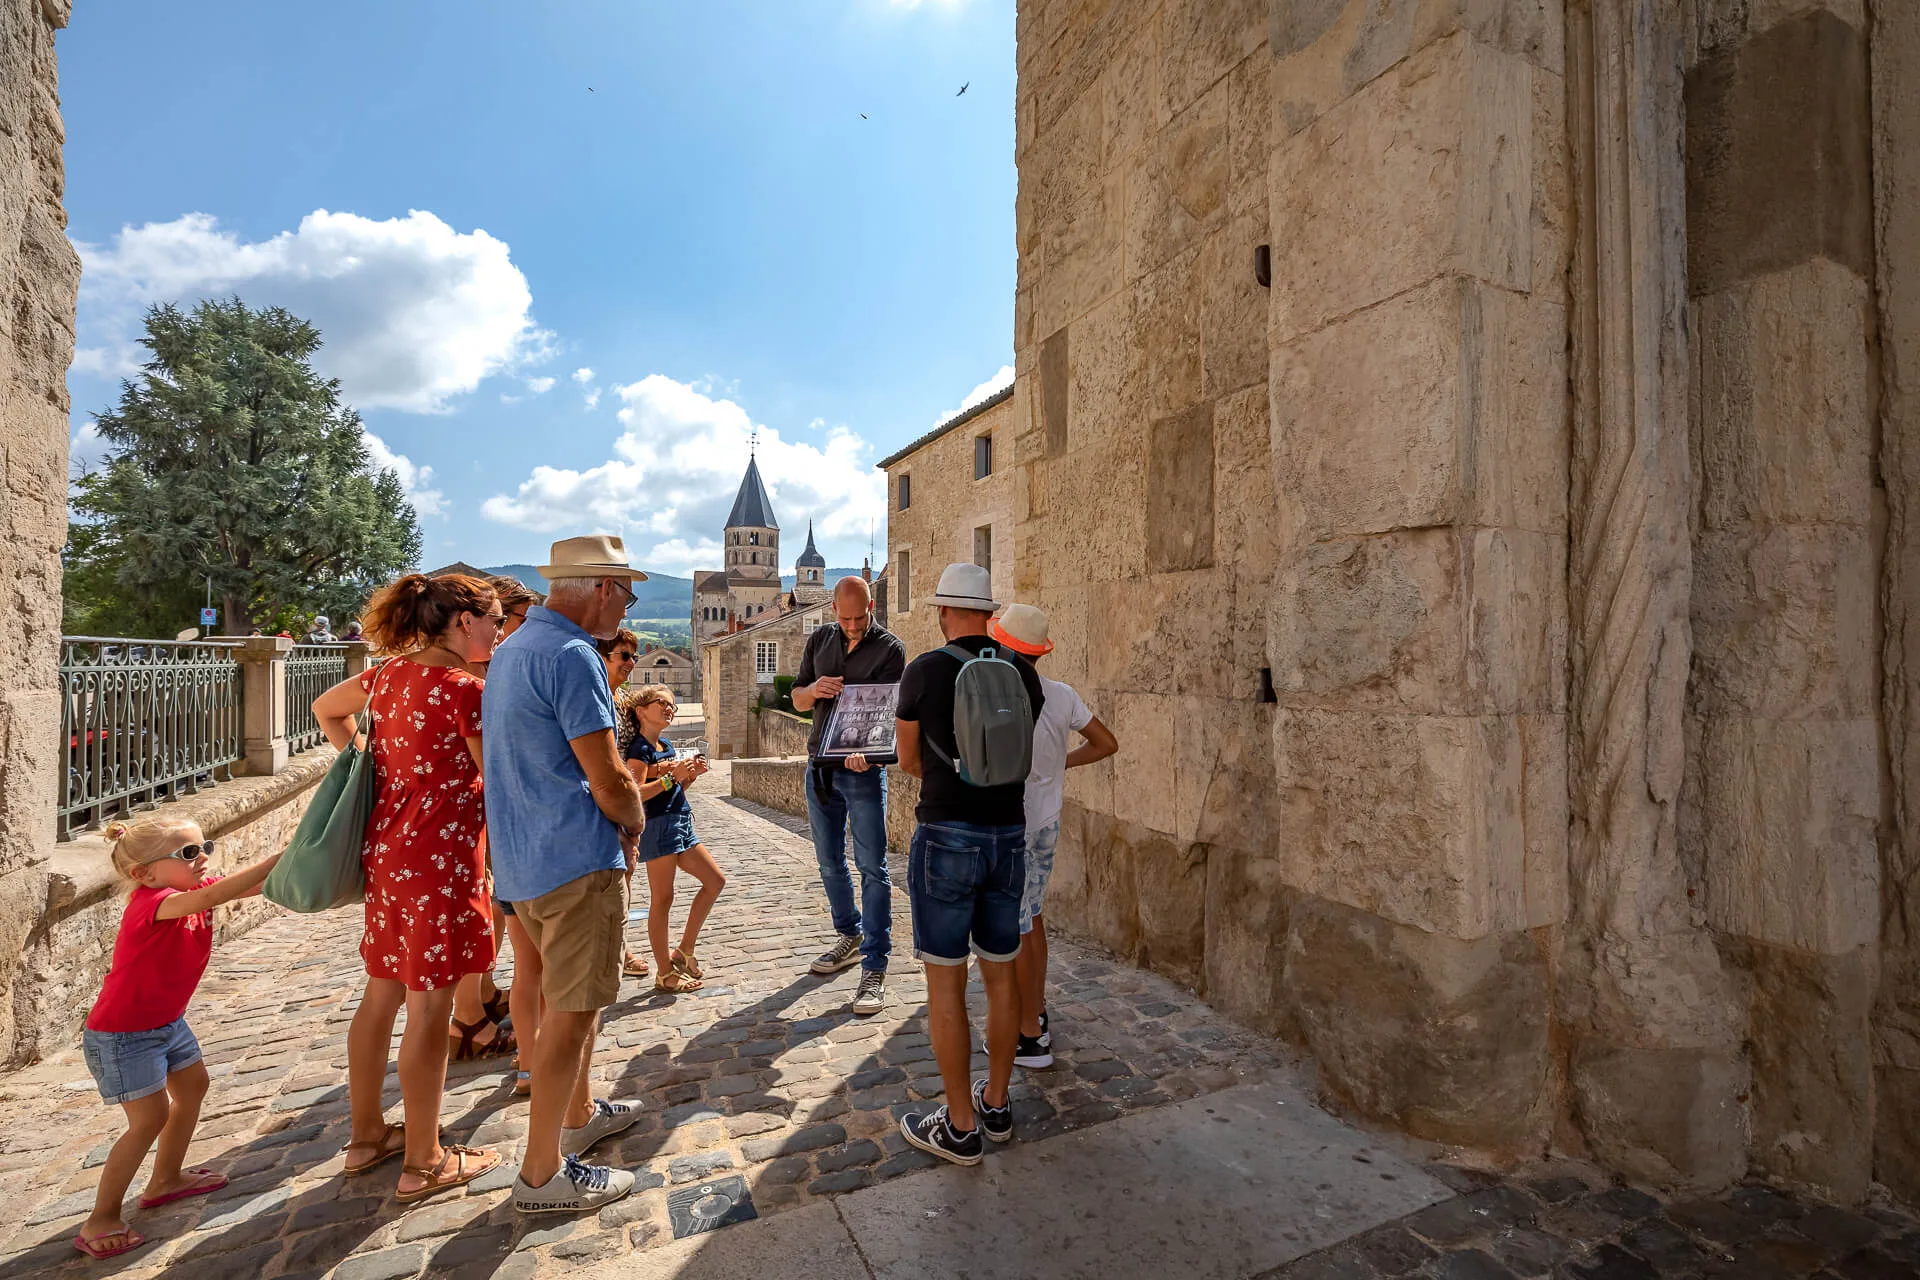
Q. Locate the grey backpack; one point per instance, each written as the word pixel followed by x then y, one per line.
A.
pixel 992 720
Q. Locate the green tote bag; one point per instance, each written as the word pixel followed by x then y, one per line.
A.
pixel 320 869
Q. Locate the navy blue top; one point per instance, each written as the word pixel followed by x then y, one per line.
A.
pixel 672 801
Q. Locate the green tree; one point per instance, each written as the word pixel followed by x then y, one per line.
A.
pixel 231 459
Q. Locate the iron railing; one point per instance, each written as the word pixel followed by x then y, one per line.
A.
pixel 144 721
pixel 312 669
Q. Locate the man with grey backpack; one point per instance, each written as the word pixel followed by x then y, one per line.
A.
pixel 965 729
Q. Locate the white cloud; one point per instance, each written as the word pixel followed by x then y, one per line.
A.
pixel 416 480
pixel 413 313
pixel 992 386
pixel 583 375
pixel 540 386
pixel 590 390
pixel 86 450
pixel 674 472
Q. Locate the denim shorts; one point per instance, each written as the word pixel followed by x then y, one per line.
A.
pixel 964 884
pixel 667 835
pixel 1041 842
pixel 132 1064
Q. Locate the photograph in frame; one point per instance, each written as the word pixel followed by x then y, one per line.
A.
pixel 862 722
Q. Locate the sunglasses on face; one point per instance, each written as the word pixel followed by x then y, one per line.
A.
pixel 626 655
pixel 187 853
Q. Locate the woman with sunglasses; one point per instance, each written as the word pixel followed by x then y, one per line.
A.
pixel 429 915
pixel 138 1046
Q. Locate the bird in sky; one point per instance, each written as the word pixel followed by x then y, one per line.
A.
pixel 964 88
pixel 589 88
pixel 863 115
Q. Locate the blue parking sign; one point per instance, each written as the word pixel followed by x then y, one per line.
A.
pixel 209 617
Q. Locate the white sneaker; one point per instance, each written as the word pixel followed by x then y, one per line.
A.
pixel 844 952
pixel 608 1118
pixel 872 994
pixel 575 1188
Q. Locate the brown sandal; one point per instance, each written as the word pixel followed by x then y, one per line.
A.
pixel 383 1145
pixel 635 966
pixel 465 1049
pixel 674 982
pixel 484 1163
pixel 496 1009
pixel 686 962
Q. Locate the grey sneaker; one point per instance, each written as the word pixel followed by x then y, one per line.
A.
pixel 608 1118
pixel 872 995
pixel 576 1188
pixel 839 956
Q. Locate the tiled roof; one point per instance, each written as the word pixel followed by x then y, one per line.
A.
pixel 954 423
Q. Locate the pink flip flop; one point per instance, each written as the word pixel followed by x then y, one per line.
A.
pixel 88 1247
pixel 201 1188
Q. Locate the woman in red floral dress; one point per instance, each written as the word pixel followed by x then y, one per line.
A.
pixel 428 911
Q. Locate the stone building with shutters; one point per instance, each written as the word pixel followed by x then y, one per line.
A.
pixel 952 495
pixel 669 667
pixel 737 673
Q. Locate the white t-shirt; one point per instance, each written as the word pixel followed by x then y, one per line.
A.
pixel 1061 715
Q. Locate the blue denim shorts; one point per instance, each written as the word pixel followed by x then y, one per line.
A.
pixel 132 1064
pixel 964 884
pixel 1041 842
pixel 667 835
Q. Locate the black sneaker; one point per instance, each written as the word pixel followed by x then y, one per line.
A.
pixel 935 1134
pixel 995 1122
pixel 1035 1051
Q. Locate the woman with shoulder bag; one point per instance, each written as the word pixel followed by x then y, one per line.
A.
pixel 429 922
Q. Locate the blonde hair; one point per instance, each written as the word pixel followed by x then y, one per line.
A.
pixel 138 843
pixel 648 694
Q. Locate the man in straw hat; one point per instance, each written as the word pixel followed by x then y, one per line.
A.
pixel 563 821
pixel 1023 629
pixel 965 872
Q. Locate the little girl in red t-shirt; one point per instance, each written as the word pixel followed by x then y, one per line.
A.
pixel 138 1045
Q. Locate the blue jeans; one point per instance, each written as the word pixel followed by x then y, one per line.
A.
pixel 863 796
pixel 964 883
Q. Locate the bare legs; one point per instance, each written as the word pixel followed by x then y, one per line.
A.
pixel 560 1062
pixel 698 863
pixel 423 1069
pixel 1031 966
pixel 167 1117
pixel 953 1038
pixel 523 997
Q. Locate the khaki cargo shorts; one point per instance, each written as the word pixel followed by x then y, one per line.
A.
pixel 579 930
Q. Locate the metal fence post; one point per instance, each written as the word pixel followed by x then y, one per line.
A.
pixel 263 661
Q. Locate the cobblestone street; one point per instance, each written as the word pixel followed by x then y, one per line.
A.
pixel 766 1073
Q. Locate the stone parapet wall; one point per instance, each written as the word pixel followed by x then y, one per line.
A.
pixel 781 785
pixel 66 956
pixel 778 733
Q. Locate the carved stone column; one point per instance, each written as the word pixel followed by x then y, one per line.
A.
pixel 1654 1066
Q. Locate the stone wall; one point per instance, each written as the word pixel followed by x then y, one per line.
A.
pixel 731 689
pixel 778 733
pixel 781 785
pixel 39 276
pixel 1504 611
pixel 66 956
pixel 948 505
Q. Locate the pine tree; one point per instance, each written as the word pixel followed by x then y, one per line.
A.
pixel 231 459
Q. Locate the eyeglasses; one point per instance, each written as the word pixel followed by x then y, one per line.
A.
pixel 625 587
pixel 186 853
pixel 626 655
pixel 495 618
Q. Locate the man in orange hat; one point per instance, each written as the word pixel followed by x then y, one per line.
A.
pixel 1023 629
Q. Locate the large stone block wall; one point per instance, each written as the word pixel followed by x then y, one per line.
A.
pixel 39 277
pixel 1505 614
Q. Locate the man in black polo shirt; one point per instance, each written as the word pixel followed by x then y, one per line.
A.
pixel 855 651
pixel 964 878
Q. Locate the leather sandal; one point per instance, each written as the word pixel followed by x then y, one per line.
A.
pixel 686 962
pixel 383 1146
pixel 635 966
pixel 674 982
pixel 496 1009
pixel 484 1162
pixel 463 1049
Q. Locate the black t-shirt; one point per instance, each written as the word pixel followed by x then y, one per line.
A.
pixel 878 659
pixel 926 695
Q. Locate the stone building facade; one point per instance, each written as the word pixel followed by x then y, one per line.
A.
pixel 670 668
pixel 750 584
pixel 737 670
pixel 951 498
pixel 1466 450
pixel 39 279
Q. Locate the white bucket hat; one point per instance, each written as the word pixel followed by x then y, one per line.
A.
pixel 965 586
pixel 598 555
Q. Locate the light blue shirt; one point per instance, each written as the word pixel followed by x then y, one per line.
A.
pixel 546 686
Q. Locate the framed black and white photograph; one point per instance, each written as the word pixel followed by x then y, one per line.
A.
pixel 862 723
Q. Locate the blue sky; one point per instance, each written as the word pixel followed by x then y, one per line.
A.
pixel 560 309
